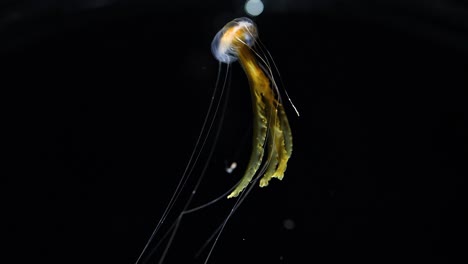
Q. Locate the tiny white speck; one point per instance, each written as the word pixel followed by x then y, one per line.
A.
pixel 231 168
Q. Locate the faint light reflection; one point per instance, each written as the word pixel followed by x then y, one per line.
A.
pixel 254 7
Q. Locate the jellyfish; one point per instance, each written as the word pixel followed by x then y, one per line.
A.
pixel 236 41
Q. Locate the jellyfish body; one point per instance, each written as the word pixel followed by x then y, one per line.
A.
pixel 237 41
pixel 271 130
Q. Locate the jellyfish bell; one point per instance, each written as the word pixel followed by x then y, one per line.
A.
pixel 240 31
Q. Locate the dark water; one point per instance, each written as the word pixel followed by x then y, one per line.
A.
pixel 104 101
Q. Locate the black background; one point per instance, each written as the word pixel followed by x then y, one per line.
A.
pixel 104 101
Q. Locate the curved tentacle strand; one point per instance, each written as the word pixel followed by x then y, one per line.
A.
pixel 287 150
pixel 260 88
pixel 277 147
